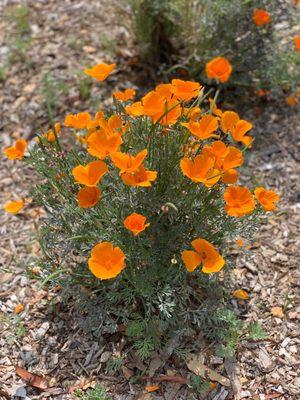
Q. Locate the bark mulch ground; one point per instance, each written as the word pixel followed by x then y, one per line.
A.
pixel 60 39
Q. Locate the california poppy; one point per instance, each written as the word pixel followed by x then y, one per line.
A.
pixel 13 207
pixel 126 162
pixel 297 42
pixel 17 151
pixel 240 294
pixel 218 68
pixel 201 169
pixel 240 242
pixel 100 71
pixel 239 201
pixel 203 129
pixel 165 90
pixel 205 254
pixel 266 198
pixel 106 261
pixel 50 136
pixel 78 121
pixel 153 104
pixel 127 94
pixel 90 174
pixel 135 109
pixel 261 17
pixel 231 123
pixel 101 144
pixel 136 223
pixel 185 90
pixel 140 177
pixel 230 176
pixel 88 196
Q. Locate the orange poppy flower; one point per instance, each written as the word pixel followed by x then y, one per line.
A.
pixel 291 101
pixel 127 94
pixel 90 174
pixel 106 261
pixel 128 163
pixel 17 151
pixel 239 201
pixel 240 294
pixel 240 242
pixel 135 109
pixel 78 121
pixel 201 169
pixel 185 90
pixel 204 128
pixel 297 42
pixel 101 144
pixel 266 198
pixel 205 254
pixel 153 104
pixel 88 196
pixel 50 134
pixel 231 122
pixel 13 207
pixel 136 223
pixel 218 68
pixel 100 71
pixel 230 176
pixel 164 90
pixel 194 113
pixel 140 177
pixel 261 17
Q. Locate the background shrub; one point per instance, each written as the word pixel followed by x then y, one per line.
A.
pixel 198 30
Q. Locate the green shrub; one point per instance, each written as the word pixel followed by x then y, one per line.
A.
pixel 262 56
pixel 168 203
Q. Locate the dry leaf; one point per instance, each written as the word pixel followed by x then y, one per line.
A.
pixel 34 380
pixel 277 312
pixel 202 370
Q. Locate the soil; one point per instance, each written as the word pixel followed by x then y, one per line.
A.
pixel 61 38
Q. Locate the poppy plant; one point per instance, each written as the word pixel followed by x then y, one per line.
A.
pixel 88 196
pixel 140 177
pixel 239 201
pixel 17 151
pixel 126 162
pixel 266 198
pixel 261 17
pixel 203 129
pixel 100 71
pixel 219 68
pixel 206 254
pixel 136 223
pixel 106 261
pixel 240 294
pixel 90 174
pixel 13 207
pixel 127 94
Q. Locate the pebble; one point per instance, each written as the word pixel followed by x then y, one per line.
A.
pixel 285 342
pixel 42 330
pixel 105 356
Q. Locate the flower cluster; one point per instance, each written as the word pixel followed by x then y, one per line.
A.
pixel 211 149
